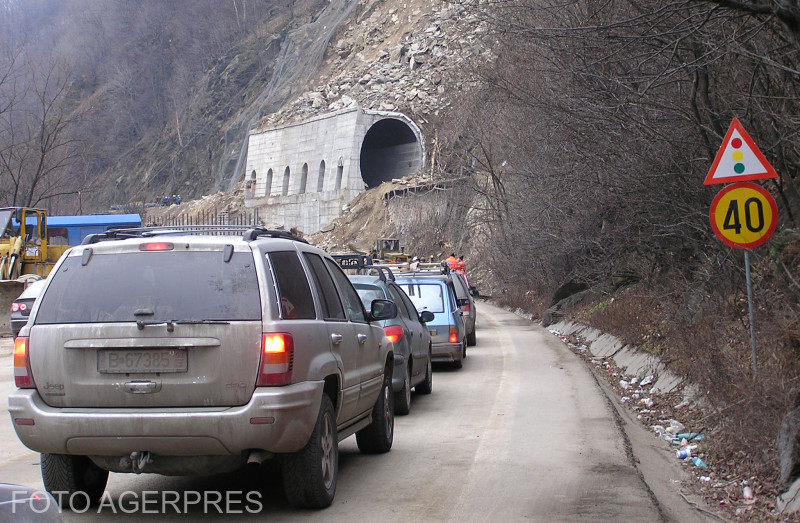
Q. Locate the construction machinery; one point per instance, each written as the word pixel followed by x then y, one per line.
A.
pixel 25 255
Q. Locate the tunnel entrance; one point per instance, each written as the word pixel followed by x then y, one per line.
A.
pixel 390 150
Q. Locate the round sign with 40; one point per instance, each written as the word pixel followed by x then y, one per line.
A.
pixel 744 215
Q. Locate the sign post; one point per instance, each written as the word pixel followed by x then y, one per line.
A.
pixel 743 215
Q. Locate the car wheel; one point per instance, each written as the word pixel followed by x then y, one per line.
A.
pixel 377 437
pixel 426 387
pixel 402 398
pixel 79 481
pixel 309 475
pixel 471 338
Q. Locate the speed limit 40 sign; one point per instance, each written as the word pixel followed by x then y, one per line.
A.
pixel 744 215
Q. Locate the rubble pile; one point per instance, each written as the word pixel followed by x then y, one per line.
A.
pixel 407 58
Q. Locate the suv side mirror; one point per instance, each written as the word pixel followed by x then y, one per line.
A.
pixel 382 310
pixel 426 316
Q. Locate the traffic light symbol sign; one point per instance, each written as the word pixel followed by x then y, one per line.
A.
pixel 739 159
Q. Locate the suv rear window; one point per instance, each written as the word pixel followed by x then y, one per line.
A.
pixel 425 296
pixel 153 286
pixel 295 294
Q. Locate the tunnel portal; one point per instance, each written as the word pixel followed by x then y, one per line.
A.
pixel 390 150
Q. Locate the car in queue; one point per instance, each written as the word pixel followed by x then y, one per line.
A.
pixel 407 331
pixel 436 293
pixel 466 302
pixel 22 306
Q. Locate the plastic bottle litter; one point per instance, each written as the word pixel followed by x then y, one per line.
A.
pixel 646 381
pixel 690 435
pixel 699 463
pixel 747 494
pixel 675 426
pixel 684 453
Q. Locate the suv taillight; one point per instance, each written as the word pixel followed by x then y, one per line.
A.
pixel 466 308
pixel 277 356
pixel 23 378
pixel 453 334
pixel 394 333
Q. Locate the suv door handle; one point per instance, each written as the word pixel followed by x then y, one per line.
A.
pixel 336 339
pixel 362 339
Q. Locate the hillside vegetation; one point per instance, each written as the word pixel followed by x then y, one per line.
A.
pixel 575 138
pixel 593 128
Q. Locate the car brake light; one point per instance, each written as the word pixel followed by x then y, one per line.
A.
pixel 394 333
pixel 453 335
pixel 156 246
pixel 23 378
pixel 277 358
pixel 466 308
pixel 18 307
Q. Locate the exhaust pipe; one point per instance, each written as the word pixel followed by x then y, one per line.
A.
pixel 257 457
pixel 139 461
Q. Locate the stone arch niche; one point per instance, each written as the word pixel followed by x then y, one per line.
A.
pixel 321 177
pixel 390 149
pixel 304 179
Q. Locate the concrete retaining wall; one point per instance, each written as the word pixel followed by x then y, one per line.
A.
pixel 633 361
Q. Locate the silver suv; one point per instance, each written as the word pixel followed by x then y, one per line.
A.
pixel 182 353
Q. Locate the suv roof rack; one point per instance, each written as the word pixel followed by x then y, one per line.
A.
pixel 249 233
pixel 420 268
pixel 384 273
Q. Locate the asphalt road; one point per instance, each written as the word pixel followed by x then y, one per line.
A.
pixel 522 432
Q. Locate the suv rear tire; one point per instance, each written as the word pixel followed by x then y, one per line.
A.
pixel 73 475
pixel 309 475
pixel 377 437
pixel 472 339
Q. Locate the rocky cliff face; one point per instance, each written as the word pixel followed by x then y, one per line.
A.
pixel 391 55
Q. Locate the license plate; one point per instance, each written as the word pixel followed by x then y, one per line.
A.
pixel 145 360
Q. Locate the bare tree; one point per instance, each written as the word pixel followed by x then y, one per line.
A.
pixel 37 151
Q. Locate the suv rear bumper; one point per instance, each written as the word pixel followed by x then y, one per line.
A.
pixel 276 419
pixel 446 352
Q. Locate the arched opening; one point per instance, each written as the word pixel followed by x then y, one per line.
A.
pixel 321 177
pixel 251 185
pixel 285 189
pixel 268 186
pixel 390 150
pixel 339 172
pixel 303 178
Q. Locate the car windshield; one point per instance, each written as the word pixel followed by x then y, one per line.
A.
pixel 367 293
pixel 153 286
pixel 425 296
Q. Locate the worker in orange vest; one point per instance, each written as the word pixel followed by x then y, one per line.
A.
pixel 451 261
pixel 460 265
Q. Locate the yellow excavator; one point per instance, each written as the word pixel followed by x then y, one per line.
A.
pixel 24 254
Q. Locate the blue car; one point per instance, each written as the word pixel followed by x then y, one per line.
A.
pixel 434 292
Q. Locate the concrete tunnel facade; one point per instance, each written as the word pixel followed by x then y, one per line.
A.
pixel 302 175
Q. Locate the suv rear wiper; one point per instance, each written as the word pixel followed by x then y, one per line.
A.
pixel 141 324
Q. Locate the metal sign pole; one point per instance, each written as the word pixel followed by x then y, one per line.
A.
pixel 750 309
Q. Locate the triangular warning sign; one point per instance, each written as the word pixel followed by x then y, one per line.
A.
pixel 738 159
